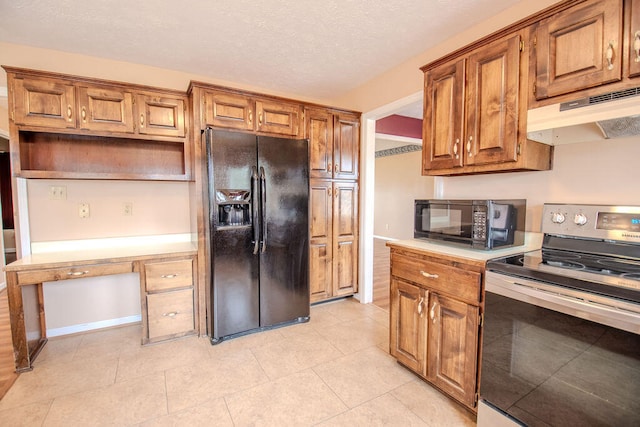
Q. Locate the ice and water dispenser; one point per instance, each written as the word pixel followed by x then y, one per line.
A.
pixel 234 207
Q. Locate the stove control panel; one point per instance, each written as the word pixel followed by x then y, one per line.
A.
pixel 606 222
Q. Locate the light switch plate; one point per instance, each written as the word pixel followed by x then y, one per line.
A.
pixel 83 210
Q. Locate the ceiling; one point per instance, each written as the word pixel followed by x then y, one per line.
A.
pixel 313 49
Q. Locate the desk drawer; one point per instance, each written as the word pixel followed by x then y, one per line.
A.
pixel 438 277
pixel 76 272
pixel 160 276
pixel 170 313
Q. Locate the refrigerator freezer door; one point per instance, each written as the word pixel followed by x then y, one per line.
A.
pixel 284 262
pixel 234 267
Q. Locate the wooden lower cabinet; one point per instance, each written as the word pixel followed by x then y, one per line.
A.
pixel 168 309
pixel 434 330
pixel 333 230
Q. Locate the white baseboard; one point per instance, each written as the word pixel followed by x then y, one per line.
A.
pixel 84 327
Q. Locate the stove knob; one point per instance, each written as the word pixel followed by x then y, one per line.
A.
pixel 580 219
pixel 557 217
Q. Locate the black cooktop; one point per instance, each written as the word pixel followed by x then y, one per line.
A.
pixel 606 275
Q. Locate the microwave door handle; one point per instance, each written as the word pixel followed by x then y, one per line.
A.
pixel 255 214
pixel 263 208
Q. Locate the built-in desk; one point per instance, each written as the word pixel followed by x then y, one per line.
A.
pixel 166 285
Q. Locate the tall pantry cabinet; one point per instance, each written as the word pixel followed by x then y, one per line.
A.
pixel 334 148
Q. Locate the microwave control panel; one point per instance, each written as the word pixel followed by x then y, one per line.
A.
pixel 479 223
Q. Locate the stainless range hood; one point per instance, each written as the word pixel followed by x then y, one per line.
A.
pixel 607 116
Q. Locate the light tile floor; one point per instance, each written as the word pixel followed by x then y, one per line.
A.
pixel 333 371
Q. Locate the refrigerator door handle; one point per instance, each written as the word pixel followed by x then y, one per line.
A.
pixel 263 208
pixel 254 210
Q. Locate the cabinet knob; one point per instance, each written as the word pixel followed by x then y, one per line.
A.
pixel 609 55
pixel 420 306
pixel 84 114
pixel 432 312
pixel 469 144
pixel 69 112
pixel 141 120
pixel 250 116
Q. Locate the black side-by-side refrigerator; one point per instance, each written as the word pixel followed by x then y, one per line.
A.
pixel 259 198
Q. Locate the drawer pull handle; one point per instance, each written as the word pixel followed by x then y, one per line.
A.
pixel 171 314
pixel 429 275
pixel 77 273
pixel 169 276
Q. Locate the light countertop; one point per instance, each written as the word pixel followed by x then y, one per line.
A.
pixel 532 242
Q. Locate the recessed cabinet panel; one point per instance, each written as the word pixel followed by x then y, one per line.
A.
pixel 346 208
pixel 278 118
pixel 579 48
pixel 170 313
pixel 228 111
pixel 162 116
pixel 408 333
pixel 492 103
pixel 346 146
pixel 320 267
pixel 105 109
pixel 48 103
pixel 321 212
pixel 345 278
pixel 319 130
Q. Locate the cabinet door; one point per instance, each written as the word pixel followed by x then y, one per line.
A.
pixel 491 134
pixel 105 109
pixel 227 110
pixel 278 118
pixel 579 48
pixel 443 116
pixel 346 146
pixel 319 131
pixel 320 235
pixel 453 347
pixel 160 115
pixel 634 38
pixel 48 103
pixel 407 336
pixel 345 238
pixel 170 313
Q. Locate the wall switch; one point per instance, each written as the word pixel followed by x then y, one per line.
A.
pixel 127 209
pixel 58 192
pixel 83 210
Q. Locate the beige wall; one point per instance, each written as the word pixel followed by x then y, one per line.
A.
pixel 398 184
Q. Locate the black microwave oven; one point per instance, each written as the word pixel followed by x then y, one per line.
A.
pixel 478 224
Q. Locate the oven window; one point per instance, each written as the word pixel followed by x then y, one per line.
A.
pixel 547 368
pixel 451 220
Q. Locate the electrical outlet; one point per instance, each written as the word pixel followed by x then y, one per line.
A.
pixel 58 192
pixel 83 210
pixel 127 209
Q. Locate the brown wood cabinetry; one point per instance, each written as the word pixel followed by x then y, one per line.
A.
pixel 74 127
pixel 633 37
pixel 245 111
pixel 579 48
pixel 167 290
pixel 475 112
pixel 333 244
pixel 435 320
pixel 334 143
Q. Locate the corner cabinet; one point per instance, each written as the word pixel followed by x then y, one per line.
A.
pixel 435 320
pixel 334 148
pixel 74 127
pixel 475 112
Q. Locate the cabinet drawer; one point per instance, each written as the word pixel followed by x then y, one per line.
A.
pixel 438 277
pixel 91 270
pixel 168 275
pixel 170 313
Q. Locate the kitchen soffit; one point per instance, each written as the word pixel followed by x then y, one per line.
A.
pixel 315 49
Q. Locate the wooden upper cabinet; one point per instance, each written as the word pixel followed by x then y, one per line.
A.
pixel 579 48
pixel 319 131
pixel 44 102
pixel 105 109
pixel 346 146
pixel 492 103
pixel 278 117
pixel 252 113
pixel 228 110
pixel 443 122
pixel 160 115
pixel 634 38
pixel 472 108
